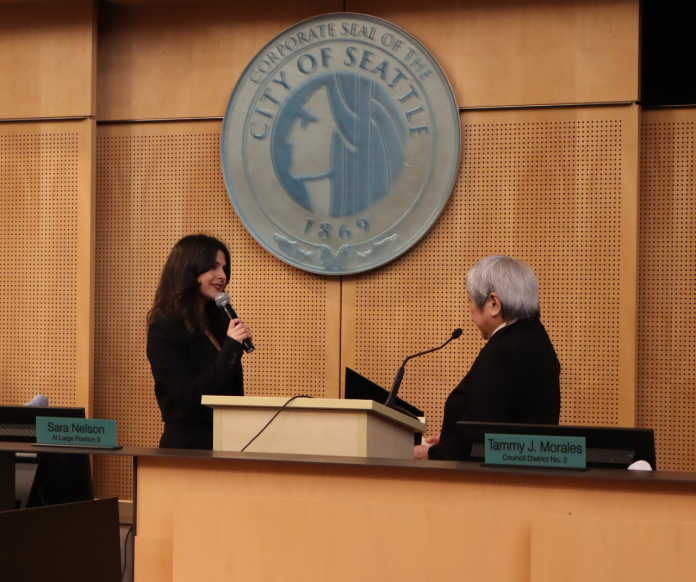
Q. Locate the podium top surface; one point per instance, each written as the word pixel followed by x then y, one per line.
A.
pixel 337 404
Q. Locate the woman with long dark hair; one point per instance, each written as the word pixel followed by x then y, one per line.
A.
pixel 192 348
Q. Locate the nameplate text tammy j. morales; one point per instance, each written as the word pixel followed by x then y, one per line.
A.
pixel 539 451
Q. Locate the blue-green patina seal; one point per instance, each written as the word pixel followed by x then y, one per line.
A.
pixel 340 144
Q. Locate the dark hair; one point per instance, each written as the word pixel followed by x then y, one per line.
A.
pixel 177 292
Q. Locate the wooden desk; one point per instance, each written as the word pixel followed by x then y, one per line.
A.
pixel 204 515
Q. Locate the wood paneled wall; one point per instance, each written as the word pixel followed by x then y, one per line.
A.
pixel 47 74
pixel 181 60
pixel 506 52
pixel 666 392
pixel 555 188
pixel 185 59
pixel 47 59
pixel 46 279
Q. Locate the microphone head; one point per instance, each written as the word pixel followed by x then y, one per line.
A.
pixel 222 299
pixel 456 333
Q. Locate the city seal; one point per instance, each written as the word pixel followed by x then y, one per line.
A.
pixel 340 144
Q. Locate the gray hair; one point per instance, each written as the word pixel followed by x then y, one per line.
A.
pixel 511 280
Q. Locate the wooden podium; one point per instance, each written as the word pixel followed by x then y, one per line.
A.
pixel 309 426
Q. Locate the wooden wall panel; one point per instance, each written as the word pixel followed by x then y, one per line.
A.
pixel 155 184
pixel 507 52
pixel 183 60
pixel 45 280
pixel 555 188
pixel 46 59
pixel 666 398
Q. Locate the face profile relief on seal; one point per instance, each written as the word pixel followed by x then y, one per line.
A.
pixel 367 146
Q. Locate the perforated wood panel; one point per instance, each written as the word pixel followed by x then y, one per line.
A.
pixel 666 398
pixel 39 177
pixel 155 184
pixel 552 188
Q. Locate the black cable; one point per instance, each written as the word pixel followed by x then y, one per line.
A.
pixel 125 553
pixel 272 419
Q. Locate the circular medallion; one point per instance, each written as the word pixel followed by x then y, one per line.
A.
pixel 340 144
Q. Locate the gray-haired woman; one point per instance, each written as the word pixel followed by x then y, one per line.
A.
pixel 515 377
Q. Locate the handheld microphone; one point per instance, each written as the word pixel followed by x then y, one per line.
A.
pixel 391 399
pixel 38 400
pixel 222 300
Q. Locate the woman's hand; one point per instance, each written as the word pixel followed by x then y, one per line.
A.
pixel 238 330
pixel 421 451
pixel 432 440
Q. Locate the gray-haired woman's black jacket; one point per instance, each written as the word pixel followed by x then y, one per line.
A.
pixel 515 378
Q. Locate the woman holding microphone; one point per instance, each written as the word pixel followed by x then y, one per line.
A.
pixel 192 346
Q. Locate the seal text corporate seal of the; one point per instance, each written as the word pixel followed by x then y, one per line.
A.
pixel 340 144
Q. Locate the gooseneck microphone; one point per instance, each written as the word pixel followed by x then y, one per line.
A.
pixel 391 399
pixel 222 300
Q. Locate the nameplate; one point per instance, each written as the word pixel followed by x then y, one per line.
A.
pixel 536 451
pixel 81 432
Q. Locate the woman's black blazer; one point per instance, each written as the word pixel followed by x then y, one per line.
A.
pixel 186 367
